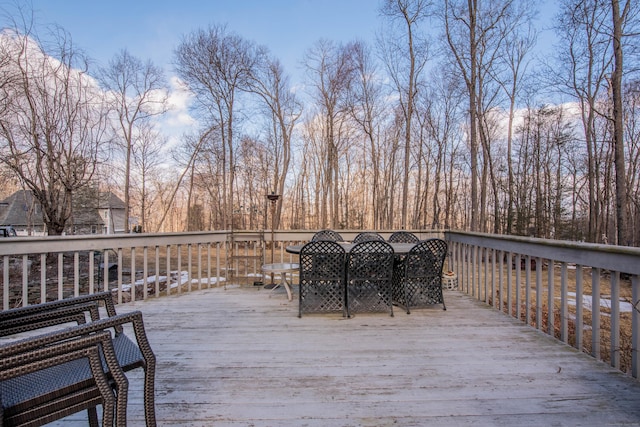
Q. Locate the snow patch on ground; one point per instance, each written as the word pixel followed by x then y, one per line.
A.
pixel 587 300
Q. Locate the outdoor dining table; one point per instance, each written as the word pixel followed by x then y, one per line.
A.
pixel 398 248
pixel 400 251
pixel 281 268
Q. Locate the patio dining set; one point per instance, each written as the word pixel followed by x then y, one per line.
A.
pixel 369 274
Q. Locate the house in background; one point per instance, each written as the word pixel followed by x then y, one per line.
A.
pixel 21 211
pixel 111 209
pixel 101 214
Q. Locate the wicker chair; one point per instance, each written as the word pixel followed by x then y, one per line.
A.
pixel 50 376
pixel 403 237
pixel 24 391
pixel 417 282
pixel 369 275
pixel 368 236
pixel 328 235
pixel 322 268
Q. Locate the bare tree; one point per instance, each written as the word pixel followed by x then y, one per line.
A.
pixel 632 142
pixel 547 174
pixel 465 54
pixel 314 163
pixel 331 69
pixel 8 77
pixel 414 50
pixel 516 51
pixel 146 159
pixel 52 122
pixel 583 63
pixel 367 107
pixel 192 150
pixel 255 177
pixel 474 37
pixel 619 18
pixel 440 107
pixel 283 111
pixel 137 92
pixel 216 66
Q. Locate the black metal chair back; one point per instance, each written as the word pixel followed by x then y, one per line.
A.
pixel 329 235
pixel 322 275
pixel 369 277
pixel 418 282
pixel 403 237
pixel 368 236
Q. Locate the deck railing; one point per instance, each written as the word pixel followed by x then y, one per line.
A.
pixel 523 277
pixel 139 266
pixel 586 295
pixel 36 269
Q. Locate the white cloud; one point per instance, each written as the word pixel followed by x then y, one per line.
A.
pixel 177 120
pixel 179 96
pixel 179 100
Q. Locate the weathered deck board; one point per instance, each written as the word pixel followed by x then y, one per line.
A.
pixel 238 357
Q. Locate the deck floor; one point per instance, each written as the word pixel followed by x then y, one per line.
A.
pixel 242 357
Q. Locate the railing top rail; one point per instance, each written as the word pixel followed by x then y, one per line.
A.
pixel 618 258
pixel 36 245
pixel 22 245
pixel 346 234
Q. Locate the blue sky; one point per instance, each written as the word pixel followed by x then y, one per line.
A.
pixel 151 29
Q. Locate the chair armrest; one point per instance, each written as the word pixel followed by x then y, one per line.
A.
pixel 89 302
pixel 115 322
pixel 31 321
pixel 104 297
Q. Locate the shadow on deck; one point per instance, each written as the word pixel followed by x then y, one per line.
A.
pixel 242 357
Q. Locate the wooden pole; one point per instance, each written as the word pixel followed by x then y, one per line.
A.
pixel 273 198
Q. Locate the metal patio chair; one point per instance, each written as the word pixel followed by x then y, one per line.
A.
pixel 417 281
pixel 369 277
pixel 322 275
pixel 329 235
pixel 367 236
pixel 403 237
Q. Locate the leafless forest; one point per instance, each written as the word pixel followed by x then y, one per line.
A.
pixel 459 115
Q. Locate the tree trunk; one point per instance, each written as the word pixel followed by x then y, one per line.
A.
pixel 623 237
pixel 473 118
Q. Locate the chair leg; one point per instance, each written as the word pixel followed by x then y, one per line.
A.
pixel 149 395
pixel 345 310
pixel 406 300
pixel 93 417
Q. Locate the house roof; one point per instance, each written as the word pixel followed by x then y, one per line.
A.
pixel 21 209
pixel 108 200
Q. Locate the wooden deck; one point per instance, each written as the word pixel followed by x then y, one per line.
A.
pixel 239 357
